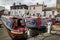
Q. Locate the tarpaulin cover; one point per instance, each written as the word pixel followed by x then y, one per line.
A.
pixel 30 22
pixel 7 21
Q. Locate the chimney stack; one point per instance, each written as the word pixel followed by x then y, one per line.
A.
pixel 37 3
pixel 19 3
pixel 14 4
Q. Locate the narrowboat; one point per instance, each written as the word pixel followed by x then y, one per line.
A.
pixel 15 26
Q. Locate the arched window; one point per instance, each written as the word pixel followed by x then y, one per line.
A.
pixel 33 14
pixel 27 13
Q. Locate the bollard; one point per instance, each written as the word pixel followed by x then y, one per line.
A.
pixel 49 27
pixel 28 33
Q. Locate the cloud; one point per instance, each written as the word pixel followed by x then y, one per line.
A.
pixel 29 2
pixel 7 3
pixel 50 3
pixel 10 2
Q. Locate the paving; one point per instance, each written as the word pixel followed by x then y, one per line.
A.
pixel 55 34
pixel 4 34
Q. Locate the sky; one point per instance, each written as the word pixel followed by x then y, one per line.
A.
pixel 8 3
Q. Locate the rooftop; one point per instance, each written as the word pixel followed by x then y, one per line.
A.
pixel 37 4
pixel 49 8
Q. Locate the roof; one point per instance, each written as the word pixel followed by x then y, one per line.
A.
pixel 49 8
pixel 18 5
pixel 38 5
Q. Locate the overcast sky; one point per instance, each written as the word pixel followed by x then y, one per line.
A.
pixel 8 3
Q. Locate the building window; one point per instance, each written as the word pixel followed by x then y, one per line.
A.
pixel 30 8
pixel 33 14
pixel 52 12
pixel 30 14
pixel 44 13
pixel 19 12
pixel 38 14
pixel 14 8
pixel 27 13
pixel 17 7
pixel 15 13
pixel 20 7
pixel 34 8
pixel 11 11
